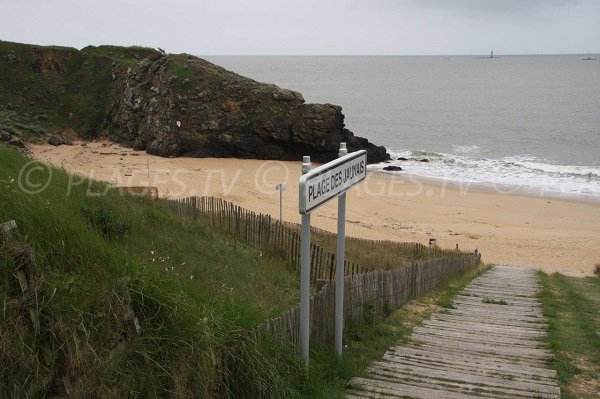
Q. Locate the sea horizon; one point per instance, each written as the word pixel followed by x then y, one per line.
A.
pixel 527 123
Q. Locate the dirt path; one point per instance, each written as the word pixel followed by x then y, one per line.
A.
pixel 487 346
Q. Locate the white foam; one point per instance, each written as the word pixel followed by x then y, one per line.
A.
pixel 524 174
pixel 465 149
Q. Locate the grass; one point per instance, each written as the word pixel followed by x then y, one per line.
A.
pixel 572 308
pixel 378 255
pixel 67 86
pixel 98 262
pixel 493 301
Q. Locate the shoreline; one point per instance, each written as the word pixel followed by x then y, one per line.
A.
pixel 553 234
pixel 492 188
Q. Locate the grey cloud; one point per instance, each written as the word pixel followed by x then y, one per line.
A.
pixel 311 26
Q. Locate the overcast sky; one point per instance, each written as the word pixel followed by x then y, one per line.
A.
pixel 405 27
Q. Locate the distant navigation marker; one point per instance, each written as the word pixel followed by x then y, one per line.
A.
pixel 492 54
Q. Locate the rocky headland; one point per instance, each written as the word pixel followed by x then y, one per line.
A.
pixel 166 104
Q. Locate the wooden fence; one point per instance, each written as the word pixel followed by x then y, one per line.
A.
pixel 261 231
pixel 365 295
pixel 366 292
pixel 283 238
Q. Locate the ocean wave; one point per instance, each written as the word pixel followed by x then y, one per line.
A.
pixel 573 170
pixel 465 149
pixel 523 173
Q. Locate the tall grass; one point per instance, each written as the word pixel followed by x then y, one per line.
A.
pixel 378 255
pixel 125 299
pixel 571 306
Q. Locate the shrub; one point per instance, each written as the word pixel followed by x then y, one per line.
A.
pixel 494 301
pixel 446 303
pixel 370 313
pixel 108 222
pixel 597 270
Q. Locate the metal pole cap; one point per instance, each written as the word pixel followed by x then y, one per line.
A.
pixel 306 166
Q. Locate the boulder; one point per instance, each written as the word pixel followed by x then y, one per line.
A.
pixel 16 142
pixel 58 140
pixel 392 168
pixel 5 136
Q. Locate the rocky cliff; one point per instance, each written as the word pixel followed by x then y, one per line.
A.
pixel 168 105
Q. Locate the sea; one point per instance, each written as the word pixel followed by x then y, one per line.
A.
pixel 526 124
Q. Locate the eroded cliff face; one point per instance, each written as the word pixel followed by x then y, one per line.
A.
pixel 181 105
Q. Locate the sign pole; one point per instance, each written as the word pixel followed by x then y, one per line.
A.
pixel 339 267
pixel 305 277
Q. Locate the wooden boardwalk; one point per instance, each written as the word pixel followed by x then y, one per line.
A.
pixel 488 346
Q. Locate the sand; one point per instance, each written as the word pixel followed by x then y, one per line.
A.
pixel 554 235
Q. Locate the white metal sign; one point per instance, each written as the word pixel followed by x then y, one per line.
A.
pixel 316 187
pixel 332 179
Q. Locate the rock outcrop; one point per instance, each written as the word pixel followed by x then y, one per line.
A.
pixel 179 105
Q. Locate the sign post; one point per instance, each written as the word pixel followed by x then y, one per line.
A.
pixel 317 186
pixel 340 256
pixel 305 275
pixel 281 187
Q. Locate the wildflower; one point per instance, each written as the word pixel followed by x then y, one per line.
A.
pixel 191 277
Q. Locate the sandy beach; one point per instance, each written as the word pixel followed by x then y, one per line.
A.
pixel 555 235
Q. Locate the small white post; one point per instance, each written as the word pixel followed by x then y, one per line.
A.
pixel 305 277
pixel 281 188
pixel 339 266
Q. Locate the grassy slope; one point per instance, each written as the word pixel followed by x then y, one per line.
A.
pixel 572 306
pixel 90 272
pixel 59 87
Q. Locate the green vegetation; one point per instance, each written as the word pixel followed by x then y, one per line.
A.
pixel 131 54
pixel 97 261
pixel 376 255
pixel 572 306
pixel 493 301
pixel 67 86
pixel 182 76
pixel 25 126
pixel 265 112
